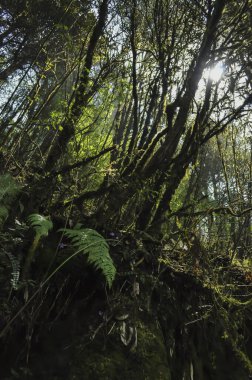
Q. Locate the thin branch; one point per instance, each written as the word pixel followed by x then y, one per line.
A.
pixel 215 210
pixel 81 163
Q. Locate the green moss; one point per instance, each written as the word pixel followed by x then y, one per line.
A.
pixel 146 362
pixel 151 353
pixel 244 360
pixel 98 365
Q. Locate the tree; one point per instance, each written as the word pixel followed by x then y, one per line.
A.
pixel 133 119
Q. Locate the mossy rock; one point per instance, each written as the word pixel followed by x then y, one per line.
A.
pixel 114 361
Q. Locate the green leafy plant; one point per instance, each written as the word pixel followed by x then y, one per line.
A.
pixel 8 190
pixel 15 270
pixel 90 242
pixel 87 241
pixel 42 226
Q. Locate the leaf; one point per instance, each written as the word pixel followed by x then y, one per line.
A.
pixel 3 213
pixel 15 270
pixel 8 188
pixel 40 224
pixel 90 242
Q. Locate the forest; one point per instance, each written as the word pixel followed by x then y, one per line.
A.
pixel 126 189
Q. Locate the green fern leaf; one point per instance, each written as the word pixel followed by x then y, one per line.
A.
pixel 8 188
pixel 41 224
pixel 3 213
pixel 15 270
pixel 8 191
pixel 93 244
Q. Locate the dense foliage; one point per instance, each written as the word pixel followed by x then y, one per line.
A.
pixel 131 119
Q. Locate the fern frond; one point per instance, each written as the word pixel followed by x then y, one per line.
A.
pixel 93 244
pixel 41 224
pixel 3 212
pixel 15 270
pixel 8 187
pixel 8 190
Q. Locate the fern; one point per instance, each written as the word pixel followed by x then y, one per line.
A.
pixel 93 244
pixel 15 270
pixel 8 190
pixel 40 224
pixel 3 213
pixel 8 187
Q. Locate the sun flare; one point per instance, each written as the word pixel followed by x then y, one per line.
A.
pixel 216 72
